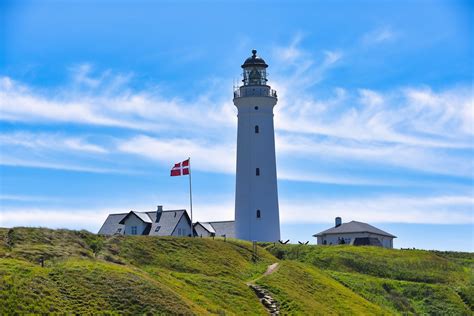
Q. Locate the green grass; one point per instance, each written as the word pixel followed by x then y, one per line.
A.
pixel 402 281
pixel 408 265
pixel 304 290
pixel 86 274
pixel 83 286
pixel 405 296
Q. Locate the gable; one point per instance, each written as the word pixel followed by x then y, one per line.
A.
pixel 206 226
pixel 142 216
pixel 167 223
pixel 112 225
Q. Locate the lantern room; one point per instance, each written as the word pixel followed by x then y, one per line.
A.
pixel 255 71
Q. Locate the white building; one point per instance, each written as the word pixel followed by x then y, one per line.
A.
pixel 155 223
pixel 163 223
pixel 355 233
pixel 256 193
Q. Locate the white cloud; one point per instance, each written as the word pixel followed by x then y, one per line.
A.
pixel 205 156
pixel 49 142
pixel 382 209
pixel 413 127
pixel 379 35
pixel 35 163
pixel 110 106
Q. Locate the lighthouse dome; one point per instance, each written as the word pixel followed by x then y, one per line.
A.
pixel 254 61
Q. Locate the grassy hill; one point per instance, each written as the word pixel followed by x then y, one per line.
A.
pixel 85 273
pixel 402 281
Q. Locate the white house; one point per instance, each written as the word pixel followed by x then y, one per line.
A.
pixel 157 223
pixel 163 223
pixel 355 233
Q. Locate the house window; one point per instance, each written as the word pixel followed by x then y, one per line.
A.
pixel 257 171
pixel 134 230
pixel 258 214
pixel 256 108
pixel 119 230
pixel 179 231
pixel 157 228
pixel 257 130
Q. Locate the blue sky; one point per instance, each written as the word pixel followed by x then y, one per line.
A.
pixel 374 120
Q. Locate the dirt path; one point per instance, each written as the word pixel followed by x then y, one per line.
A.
pixel 265 297
pixel 271 268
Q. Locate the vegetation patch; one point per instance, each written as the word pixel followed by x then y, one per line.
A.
pixel 76 272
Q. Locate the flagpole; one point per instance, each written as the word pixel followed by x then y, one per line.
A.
pixel 191 197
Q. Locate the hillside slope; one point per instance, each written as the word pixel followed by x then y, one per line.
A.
pixel 402 281
pixel 132 275
pixel 85 273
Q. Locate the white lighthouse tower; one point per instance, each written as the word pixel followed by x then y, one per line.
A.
pixel 256 194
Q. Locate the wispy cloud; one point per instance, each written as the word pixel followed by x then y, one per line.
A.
pixel 206 155
pixel 49 142
pixel 417 128
pixel 379 35
pixel 382 209
pixel 300 68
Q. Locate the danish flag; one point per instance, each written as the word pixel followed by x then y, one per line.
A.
pixel 180 168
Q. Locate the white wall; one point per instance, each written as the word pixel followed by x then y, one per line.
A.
pixel 183 228
pixel 133 220
pixel 333 239
pixel 256 151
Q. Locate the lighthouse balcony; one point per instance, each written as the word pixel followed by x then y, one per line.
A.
pixel 254 91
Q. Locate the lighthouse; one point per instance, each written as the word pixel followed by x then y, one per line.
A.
pixel 256 194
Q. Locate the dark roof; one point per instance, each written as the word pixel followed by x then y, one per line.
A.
pixel 226 228
pixel 168 221
pixel 354 227
pixel 207 226
pixel 254 60
pixel 143 216
pixel 111 225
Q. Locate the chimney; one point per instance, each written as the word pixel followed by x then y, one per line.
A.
pixel 338 221
pixel 159 211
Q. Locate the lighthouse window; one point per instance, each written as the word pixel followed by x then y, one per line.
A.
pixel 257 130
pixel 257 171
pixel 258 213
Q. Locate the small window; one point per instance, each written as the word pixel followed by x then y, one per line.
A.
pixel 256 108
pixel 134 230
pixel 157 229
pixel 258 214
pixel 257 171
pixel 119 230
pixel 179 231
pixel 257 130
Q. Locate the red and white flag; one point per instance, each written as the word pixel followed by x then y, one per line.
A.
pixel 180 169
